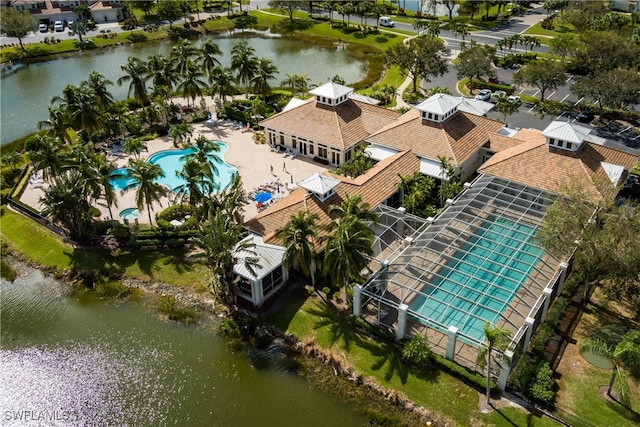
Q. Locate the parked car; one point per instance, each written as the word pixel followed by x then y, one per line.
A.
pixel 585 116
pixel 484 95
pixel 58 26
pixel 43 27
pixel 497 94
pixel 494 79
pixel 514 99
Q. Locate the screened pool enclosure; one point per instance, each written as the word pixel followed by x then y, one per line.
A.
pixel 476 262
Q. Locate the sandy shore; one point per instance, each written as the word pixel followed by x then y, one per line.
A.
pixel 252 160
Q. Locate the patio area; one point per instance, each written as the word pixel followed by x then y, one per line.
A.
pixel 260 168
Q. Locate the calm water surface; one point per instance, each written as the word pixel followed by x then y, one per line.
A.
pixel 26 93
pixel 83 361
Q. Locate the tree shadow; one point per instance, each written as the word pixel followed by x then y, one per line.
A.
pixel 334 320
pixel 288 26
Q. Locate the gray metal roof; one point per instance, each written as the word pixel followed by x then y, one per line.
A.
pixel 566 131
pixel 331 90
pixel 483 247
pixel 319 184
pixel 440 103
pixel 270 258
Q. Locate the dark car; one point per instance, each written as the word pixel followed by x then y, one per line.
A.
pixel 585 116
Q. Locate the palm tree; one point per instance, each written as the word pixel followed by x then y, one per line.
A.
pixel 105 172
pixel 348 249
pixel 208 56
pixel 180 132
pixel 65 202
pixel 57 124
pixel 297 82
pixel 195 176
pixel 497 338
pixel 44 154
pixel 80 107
pixel 160 71
pixel 265 71
pixel 222 80
pixel 352 206
pixel 244 63
pixel 625 353
pixel 299 235
pixel 505 106
pixel 11 158
pixel 181 54
pixel 192 84
pixel 220 239
pixel 98 83
pixel 206 155
pixel 134 146
pixel 136 74
pixel 144 176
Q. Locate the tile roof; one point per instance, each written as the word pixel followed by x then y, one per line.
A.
pixel 375 186
pixel 500 142
pixel 341 127
pixel 457 138
pixel 534 163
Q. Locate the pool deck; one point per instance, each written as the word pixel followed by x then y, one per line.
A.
pixel 252 160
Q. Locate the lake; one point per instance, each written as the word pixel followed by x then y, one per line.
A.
pixel 27 92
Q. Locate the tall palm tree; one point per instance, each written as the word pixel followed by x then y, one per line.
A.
pixel 65 202
pixel 505 106
pixel 299 236
pixel 192 83
pixel 57 124
pixel 298 83
pixel 144 176
pixel 497 338
pixel 80 107
pixel 136 74
pixel 195 176
pixel 180 132
pixel 625 353
pixel 265 71
pixel 222 81
pixel 134 146
pixel 160 71
pixel 220 238
pixel 206 155
pixel 182 54
pixel 105 172
pixel 98 83
pixel 208 56
pixel 352 206
pixel 348 249
pixel 244 63
pixel 44 154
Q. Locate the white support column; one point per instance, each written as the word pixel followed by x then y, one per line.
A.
pixel 257 293
pixel 357 300
pixel 564 267
pixel 505 369
pixel 547 301
pixel 527 338
pixel 402 321
pixel 452 335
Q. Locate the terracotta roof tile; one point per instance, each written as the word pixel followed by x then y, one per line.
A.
pixel 374 187
pixel 534 163
pixel 340 127
pixel 457 138
pixel 499 142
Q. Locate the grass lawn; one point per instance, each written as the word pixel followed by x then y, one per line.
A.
pixel 431 388
pixel 51 251
pixel 579 381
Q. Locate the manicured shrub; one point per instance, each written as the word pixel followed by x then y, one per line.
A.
pixel 137 37
pixel 163 224
pixel 417 350
pixel 542 387
pixel 468 377
pixel 175 243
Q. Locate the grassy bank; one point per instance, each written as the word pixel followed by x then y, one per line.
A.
pixel 326 324
pixel 39 245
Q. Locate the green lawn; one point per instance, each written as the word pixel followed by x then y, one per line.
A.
pixel 45 248
pixel 430 388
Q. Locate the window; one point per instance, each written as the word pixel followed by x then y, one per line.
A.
pixel 281 139
pixel 560 143
pixel 430 115
pixel 335 157
pixel 436 117
pixel 569 146
pixel 552 141
pixel 294 142
pixel 311 148
pixel 271 281
pixel 245 287
pixel 322 151
pixel 347 155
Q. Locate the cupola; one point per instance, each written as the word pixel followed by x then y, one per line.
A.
pixel 564 135
pixel 319 185
pixel 331 94
pixel 439 107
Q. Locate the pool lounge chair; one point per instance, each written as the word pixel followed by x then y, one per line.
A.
pixel 287 153
pixel 294 153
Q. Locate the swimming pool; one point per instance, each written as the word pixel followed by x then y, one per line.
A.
pixel 172 161
pixel 477 284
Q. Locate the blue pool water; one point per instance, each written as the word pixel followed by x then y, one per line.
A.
pixel 478 283
pixel 171 161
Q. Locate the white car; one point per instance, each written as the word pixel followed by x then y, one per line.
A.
pixel 484 95
pixel 515 99
pixel 58 26
pixel 43 27
pixel 497 94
